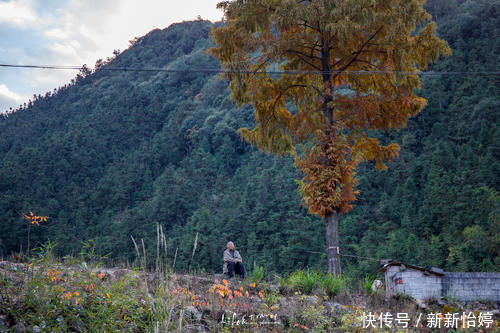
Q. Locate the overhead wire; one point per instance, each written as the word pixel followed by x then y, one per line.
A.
pixel 223 71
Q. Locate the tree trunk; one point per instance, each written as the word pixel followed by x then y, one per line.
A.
pixel 332 243
pixel 332 219
pixel 29 241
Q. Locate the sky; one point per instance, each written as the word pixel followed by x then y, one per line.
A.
pixel 76 32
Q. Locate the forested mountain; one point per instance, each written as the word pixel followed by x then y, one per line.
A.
pixel 116 152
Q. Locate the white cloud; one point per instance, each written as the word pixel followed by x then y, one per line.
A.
pixel 63 49
pixel 103 26
pixel 56 33
pixel 19 13
pixel 75 44
pixel 9 98
pixel 77 32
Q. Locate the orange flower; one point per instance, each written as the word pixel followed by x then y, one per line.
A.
pixel 252 285
pixel 53 278
pixel 230 296
pixel 68 295
pixel 101 275
pixel 301 326
pixel 77 300
pixel 224 281
pixel 76 293
pixel 247 294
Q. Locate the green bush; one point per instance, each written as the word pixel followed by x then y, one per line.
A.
pixel 51 297
pixel 332 285
pixel 367 284
pixel 304 281
pixel 308 281
pixel 257 273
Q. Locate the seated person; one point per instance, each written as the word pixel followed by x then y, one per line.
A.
pixel 233 262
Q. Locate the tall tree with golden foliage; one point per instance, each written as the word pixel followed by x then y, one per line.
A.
pixel 327 74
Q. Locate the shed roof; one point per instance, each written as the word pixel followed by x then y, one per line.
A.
pixel 390 262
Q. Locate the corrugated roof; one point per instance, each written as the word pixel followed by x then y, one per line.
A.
pixel 433 270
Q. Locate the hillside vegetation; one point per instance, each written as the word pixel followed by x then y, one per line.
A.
pixel 116 152
pixel 80 295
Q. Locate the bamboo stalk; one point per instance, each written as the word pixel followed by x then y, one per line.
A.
pixel 157 245
pixel 169 318
pixel 144 253
pixel 175 257
pixel 136 247
pixel 194 246
pixel 180 320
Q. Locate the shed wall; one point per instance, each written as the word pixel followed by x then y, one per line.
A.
pixel 412 282
pixel 421 286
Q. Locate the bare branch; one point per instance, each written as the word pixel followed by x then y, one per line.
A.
pixel 357 53
pixel 305 86
pixel 298 54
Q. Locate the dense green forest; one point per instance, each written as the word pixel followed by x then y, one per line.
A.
pixel 116 152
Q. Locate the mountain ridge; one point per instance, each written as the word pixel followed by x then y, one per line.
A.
pixel 116 152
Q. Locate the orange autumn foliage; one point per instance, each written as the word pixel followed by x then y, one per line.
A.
pixel 328 184
pixel 34 219
pixel 347 70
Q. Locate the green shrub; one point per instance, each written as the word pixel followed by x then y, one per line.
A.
pixel 51 297
pixel 307 281
pixel 257 273
pixel 367 284
pixel 332 285
pixel 304 281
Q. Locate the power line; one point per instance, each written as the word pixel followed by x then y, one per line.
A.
pixel 347 255
pixel 222 71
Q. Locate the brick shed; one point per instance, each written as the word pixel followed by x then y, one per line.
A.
pixel 422 283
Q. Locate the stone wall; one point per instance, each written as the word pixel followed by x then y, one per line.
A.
pixel 472 286
pixel 416 283
pixel 434 283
